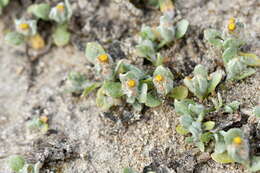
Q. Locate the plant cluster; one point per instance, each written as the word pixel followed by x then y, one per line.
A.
pixel 38 124
pixel 237 63
pixel 153 38
pixel 18 165
pixel 26 28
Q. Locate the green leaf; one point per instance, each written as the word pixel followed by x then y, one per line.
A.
pixel 16 163
pixel 209 125
pixel 206 137
pixel 186 121
pixel 4 2
pixel 232 42
pixel 250 59
pixel 182 27
pixel 113 89
pixel 181 130
pixel 152 101
pixel 220 145
pixel 231 107
pixel 128 170
pixel 180 92
pixel 61 36
pixel 257 111
pixel 222 158
pixel 90 88
pixel 14 38
pixel 143 94
pixel 200 70
pixel 255 164
pixel 214 37
pixel 41 10
pixel 93 50
pixel 215 79
pixel 229 54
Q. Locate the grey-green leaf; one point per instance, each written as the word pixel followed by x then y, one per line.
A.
pixel 14 38
pixel 61 36
pixel 113 89
pixel 152 101
pixel 41 10
pixel 181 28
pixel 16 163
pixel 257 111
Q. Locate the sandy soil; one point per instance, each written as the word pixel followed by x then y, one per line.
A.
pixel 82 139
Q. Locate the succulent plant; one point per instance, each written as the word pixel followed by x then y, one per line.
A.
pixel 18 165
pixel 103 62
pixel 192 116
pixel 61 13
pixel 235 146
pixel 202 84
pixel 38 124
pixel 163 80
pixel 152 39
pixel 236 62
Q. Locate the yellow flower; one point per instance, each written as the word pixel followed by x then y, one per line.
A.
pixel 231 26
pixel 44 119
pixel 60 7
pixel 103 58
pixel 159 78
pixel 237 140
pixel 131 83
pixel 231 20
pixel 24 26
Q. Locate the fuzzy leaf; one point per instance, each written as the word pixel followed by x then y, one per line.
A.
pixel 209 125
pixel 222 158
pixel 93 50
pixel 152 101
pixel 182 27
pixel 220 145
pixel 61 36
pixel 214 37
pixel 255 164
pixel 143 94
pixel 250 59
pixel 113 89
pixel 16 163
pixel 181 130
pixel 186 121
pixel 182 107
pixel 180 92
pixel 215 79
pixel 128 170
pixel 232 42
pixel 231 107
pixel 41 10
pixel 14 38
pixel 206 137
pixel 257 111
pixel 229 54
pixel 90 88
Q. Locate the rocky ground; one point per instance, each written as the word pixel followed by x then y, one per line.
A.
pixel 81 138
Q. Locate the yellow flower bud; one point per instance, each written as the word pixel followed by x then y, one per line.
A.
pixel 231 26
pixel 131 83
pixel 103 58
pixel 60 7
pixel 231 20
pixel 37 42
pixel 237 140
pixel 159 78
pixel 24 26
pixel 44 119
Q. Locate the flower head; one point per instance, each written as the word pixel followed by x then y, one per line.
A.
pixel 231 26
pixel 103 58
pixel 60 7
pixel 237 140
pixel 159 78
pixel 24 26
pixel 131 83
